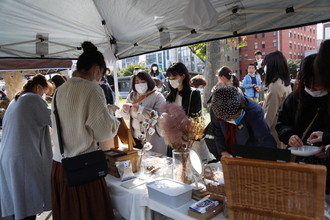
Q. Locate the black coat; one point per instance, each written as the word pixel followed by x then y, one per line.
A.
pixel 195 102
pixel 293 120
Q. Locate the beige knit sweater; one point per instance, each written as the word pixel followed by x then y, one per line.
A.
pixel 85 118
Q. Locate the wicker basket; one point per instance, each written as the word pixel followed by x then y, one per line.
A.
pixel 211 183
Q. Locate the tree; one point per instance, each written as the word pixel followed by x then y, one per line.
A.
pixel 213 54
pixel 128 71
pixel 200 49
pixel 293 67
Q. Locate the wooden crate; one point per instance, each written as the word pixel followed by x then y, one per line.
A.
pixel 124 134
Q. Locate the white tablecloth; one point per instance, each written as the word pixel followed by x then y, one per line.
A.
pixel 130 203
pixel 134 204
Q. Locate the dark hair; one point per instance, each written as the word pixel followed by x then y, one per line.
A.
pixel 197 81
pixel 228 73
pixel 58 80
pixel 89 58
pixel 253 64
pixel 322 64
pixel 157 81
pixel 257 52
pixel 31 83
pixel 151 70
pixel 277 68
pixel 178 69
pixel 306 78
pixel 143 75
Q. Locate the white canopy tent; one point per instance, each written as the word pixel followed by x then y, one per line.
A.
pixel 120 29
pixel 45 29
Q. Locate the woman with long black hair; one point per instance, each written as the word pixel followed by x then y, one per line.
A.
pixel 180 91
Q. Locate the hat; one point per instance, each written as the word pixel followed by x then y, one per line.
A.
pixel 226 102
pixel 257 52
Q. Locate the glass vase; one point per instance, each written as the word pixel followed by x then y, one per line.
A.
pixel 181 167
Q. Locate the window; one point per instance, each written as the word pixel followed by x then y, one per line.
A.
pixel 246 47
pixel 295 46
pixel 274 43
pixel 291 55
pixel 274 33
pixel 295 56
pixel 240 58
pixel 290 45
pixel 256 45
pixel 256 36
pixel 290 34
pixel 294 35
pixel 246 57
pixel 263 35
pixel 263 45
pixel 228 58
pixel 298 46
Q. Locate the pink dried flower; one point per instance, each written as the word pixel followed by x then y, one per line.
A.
pixel 175 126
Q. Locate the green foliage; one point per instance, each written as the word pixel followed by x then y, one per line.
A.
pixel 293 66
pixel 199 50
pixel 128 71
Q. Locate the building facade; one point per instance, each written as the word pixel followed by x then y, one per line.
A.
pixel 291 42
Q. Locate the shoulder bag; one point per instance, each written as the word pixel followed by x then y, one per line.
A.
pixel 83 168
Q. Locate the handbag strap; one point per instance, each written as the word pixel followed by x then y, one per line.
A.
pixel 143 97
pixel 310 124
pixel 58 126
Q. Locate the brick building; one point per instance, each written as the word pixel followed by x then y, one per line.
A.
pixel 291 42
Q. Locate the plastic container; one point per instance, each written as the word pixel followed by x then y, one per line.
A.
pixel 169 192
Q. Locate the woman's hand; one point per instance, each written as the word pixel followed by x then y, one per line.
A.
pixel 135 107
pixel 295 141
pixel 113 107
pixel 322 154
pixel 126 107
pixel 225 154
pixel 316 136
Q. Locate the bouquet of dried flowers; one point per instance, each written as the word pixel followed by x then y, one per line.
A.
pixel 178 130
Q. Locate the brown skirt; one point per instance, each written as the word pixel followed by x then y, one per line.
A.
pixel 82 202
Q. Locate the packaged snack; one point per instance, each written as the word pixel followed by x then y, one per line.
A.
pixel 125 170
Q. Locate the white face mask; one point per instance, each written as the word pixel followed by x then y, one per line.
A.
pixel 316 94
pixel 141 88
pixel 175 83
pixel 201 90
pixel 265 69
pixel 154 68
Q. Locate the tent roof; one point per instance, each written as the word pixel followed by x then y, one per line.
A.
pixel 56 29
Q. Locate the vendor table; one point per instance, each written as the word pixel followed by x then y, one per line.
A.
pixel 134 204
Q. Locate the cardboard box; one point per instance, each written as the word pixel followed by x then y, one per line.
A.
pixel 169 192
pixel 207 215
pixel 124 134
